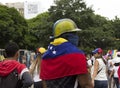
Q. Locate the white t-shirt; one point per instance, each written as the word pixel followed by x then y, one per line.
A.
pixel 115 68
pixel 35 75
pixel 92 68
pixel 110 67
pixel 102 74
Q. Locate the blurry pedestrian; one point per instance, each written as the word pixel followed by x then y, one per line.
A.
pixel 11 65
pixel 110 70
pixel 35 68
pixel 91 62
pixel 116 62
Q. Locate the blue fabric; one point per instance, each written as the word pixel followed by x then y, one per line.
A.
pixel 74 39
pixel 97 50
pixel 54 51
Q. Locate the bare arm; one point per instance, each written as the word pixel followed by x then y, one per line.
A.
pixel 96 66
pixel 85 81
pixel 112 72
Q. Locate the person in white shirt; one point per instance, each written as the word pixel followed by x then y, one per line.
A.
pixel 116 62
pixel 99 76
pixel 90 63
pixel 110 70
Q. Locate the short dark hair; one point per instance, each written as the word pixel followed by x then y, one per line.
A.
pixel 10 49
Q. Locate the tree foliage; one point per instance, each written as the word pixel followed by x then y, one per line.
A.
pixel 72 9
pixel 40 29
pixel 116 26
pixel 12 26
pixel 97 31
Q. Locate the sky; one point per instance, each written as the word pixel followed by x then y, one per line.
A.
pixel 106 8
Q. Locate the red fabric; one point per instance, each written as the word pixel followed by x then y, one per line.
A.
pixel 119 72
pixel 8 66
pixel 65 65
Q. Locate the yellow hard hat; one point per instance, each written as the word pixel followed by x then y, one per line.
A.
pixel 64 25
pixel 42 50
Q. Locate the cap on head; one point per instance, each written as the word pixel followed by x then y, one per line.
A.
pixel 42 50
pixel 64 25
pixel 118 53
pixel 97 50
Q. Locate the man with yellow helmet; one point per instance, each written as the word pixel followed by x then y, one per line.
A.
pixel 63 64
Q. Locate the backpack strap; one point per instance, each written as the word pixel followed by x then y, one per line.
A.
pixel 99 71
pixel 104 60
pixel 102 67
pixel 92 62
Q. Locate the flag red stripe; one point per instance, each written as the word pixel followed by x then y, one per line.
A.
pixel 65 65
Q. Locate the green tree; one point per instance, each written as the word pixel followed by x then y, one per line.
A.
pixel 97 31
pixel 116 26
pixel 95 38
pixel 73 9
pixel 13 26
pixel 40 29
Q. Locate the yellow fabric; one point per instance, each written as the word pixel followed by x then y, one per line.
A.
pixel 59 41
pixel 42 50
pixel 2 57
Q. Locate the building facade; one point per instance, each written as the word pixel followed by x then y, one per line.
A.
pixel 27 9
pixel 18 5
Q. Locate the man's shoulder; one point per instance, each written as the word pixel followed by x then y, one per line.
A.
pixel 9 61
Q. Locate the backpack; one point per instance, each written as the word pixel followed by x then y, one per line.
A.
pixel 11 81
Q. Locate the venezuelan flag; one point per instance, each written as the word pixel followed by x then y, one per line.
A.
pixel 112 52
pixel 63 59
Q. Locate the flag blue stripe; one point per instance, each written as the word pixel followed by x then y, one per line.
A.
pixel 62 49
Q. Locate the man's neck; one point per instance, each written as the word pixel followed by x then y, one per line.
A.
pixel 10 58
